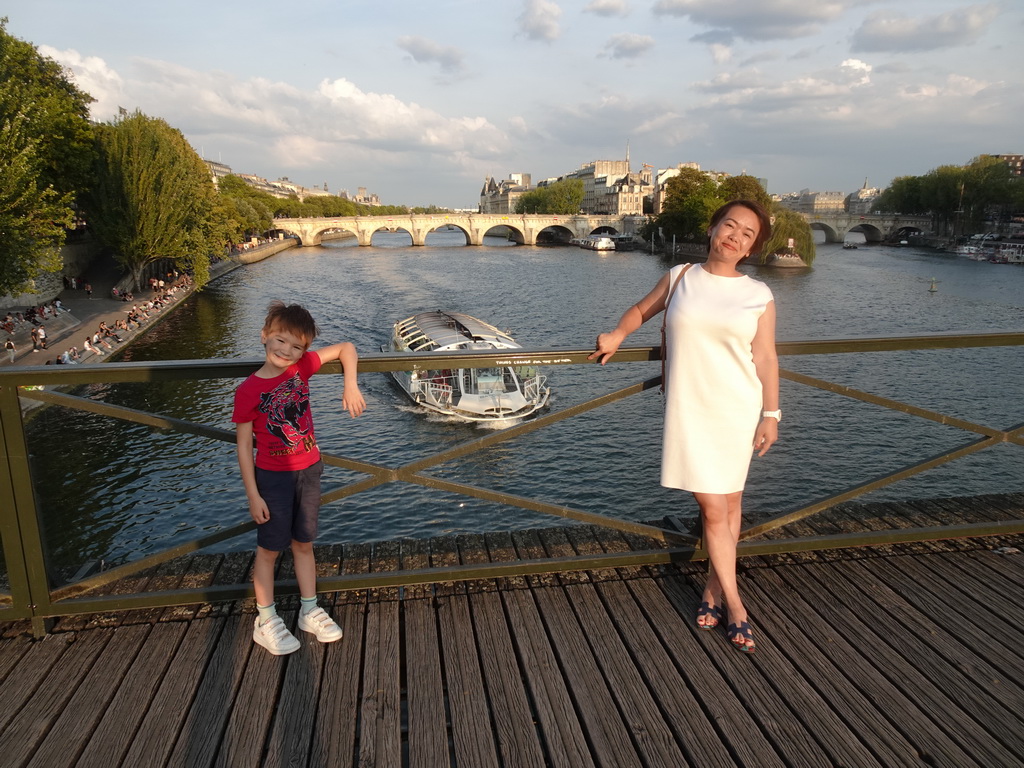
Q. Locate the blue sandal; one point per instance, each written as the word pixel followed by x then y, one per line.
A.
pixel 706 610
pixel 742 633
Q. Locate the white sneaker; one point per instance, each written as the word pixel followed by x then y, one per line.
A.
pixel 274 636
pixel 320 624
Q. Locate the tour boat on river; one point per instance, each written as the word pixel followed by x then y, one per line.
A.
pixel 595 243
pixel 470 394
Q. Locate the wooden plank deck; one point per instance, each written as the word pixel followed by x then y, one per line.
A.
pixel 907 655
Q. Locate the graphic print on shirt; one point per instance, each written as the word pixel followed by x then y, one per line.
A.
pixel 288 417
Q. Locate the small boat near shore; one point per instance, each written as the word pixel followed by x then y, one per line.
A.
pixel 469 394
pixel 786 257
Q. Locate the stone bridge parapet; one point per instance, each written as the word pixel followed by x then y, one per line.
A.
pixel 875 227
pixel 523 228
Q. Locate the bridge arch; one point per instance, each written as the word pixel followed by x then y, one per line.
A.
pixel 831 236
pixel 872 234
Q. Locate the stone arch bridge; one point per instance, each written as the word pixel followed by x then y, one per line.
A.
pixel 875 227
pixel 523 228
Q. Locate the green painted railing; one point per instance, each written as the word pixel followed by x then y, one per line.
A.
pixel 33 596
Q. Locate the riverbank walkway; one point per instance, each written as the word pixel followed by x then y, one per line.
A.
pixel 86 312
pixel 83 318
pixel 902 655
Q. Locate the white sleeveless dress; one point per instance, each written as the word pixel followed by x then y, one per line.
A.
pixel 713 395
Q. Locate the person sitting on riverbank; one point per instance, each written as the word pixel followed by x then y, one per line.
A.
pixel 108 333
pixel 282 480
pixel 98 341
pixel 88 347
pixel 69 356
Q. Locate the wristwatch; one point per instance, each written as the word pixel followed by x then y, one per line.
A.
pixel 777 415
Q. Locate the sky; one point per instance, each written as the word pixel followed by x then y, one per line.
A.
pixel 420 101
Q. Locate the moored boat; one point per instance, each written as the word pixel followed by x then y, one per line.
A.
pixel 595 243
pixel 785 257
pixel 469 394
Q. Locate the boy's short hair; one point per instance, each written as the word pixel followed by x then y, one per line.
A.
pixel 293 318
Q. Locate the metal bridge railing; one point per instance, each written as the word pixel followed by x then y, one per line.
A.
pixel 33 596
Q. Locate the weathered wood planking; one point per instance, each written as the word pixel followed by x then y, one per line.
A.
pixel 897 655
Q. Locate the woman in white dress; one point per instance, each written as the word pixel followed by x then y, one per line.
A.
pixel 721 393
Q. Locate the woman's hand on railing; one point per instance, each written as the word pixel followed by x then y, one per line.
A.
pixel 607 345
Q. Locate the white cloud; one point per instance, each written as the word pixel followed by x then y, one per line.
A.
pixel 424 51
pixel 608 8
pixel 539 20
pixel 887 31
pixel 296 123
pixel 628 46
pixel 857 71
pixel 763 20
pixel 92 75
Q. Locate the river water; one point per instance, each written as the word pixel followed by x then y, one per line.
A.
pixel 135 491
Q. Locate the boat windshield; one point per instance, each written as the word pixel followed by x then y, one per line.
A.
pixel 486 381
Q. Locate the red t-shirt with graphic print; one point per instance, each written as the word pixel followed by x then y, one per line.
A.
pixel 282 419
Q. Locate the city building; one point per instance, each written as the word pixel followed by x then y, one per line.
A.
pixel 502 196
pixel 815 202
pixel 862 201
pixel 217 170
pixel 661 179
pixel 260 183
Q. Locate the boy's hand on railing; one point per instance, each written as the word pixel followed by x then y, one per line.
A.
pixel 352 400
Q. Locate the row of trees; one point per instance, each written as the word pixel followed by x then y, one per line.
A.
pixel 693 196
pixel 960 198
pixel 142 189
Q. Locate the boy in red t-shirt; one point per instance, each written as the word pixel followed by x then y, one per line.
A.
pixel 282 482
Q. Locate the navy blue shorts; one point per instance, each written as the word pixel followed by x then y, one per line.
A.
pixel 293 499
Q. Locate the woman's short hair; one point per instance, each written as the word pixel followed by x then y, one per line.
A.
pixel 763 234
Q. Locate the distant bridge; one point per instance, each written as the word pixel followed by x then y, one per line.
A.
pixel 523 228
pixel 875 228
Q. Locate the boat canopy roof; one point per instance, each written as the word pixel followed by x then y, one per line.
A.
pixel 428 331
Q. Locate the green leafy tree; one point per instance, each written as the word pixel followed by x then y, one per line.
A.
pixel 45 155
pixel 246 211
pixel 902 196
pixel 745 187
pixel 941 194
pixel 988 187
pixel 561 197
pixel 787 225
pixel 32 220
pixel 690 199
pixel 153 197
